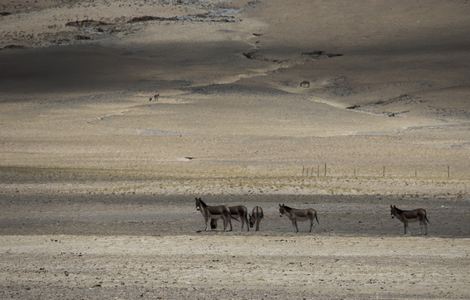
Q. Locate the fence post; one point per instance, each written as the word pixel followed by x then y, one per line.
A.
pixel 355 175
pixel 416 173
pixel 448 171
pixel 325 169
pixel 303 170
pixel 383 171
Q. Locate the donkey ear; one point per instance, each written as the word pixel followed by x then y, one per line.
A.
pixel 391 206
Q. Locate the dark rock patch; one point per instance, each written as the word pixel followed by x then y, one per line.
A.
pixel 80 37
pixel 4 13
pixel 151 18
pixel 14 46
pixel 317 54
pixel 313 53
pixel 304 84
pixel 253 54
pixel 206 17
pixel 355 106
pixel 250 54
pixel 395 114
pixel 334 54
pixel 86 23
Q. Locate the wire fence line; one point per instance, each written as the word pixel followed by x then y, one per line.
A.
pixel 384 171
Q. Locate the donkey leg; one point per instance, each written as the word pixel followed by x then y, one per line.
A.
pixel 311 225
pixel 247 223
pixel 206 219
pixel 294 222
pixel 257 224
pixel 230 222
pixel 406 226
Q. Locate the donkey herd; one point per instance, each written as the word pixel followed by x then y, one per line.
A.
pixel 212 214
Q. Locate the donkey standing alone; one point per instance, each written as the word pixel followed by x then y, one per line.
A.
pixel 406 216
pixel 295 215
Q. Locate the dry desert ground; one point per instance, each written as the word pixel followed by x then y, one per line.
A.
pixel 115 115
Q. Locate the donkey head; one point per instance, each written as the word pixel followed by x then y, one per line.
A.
pixel 198 203
pixel 393 211
pixel 251 219
pixel 282 210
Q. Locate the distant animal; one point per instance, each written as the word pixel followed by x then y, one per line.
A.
pixel 305 84
pixel 256 216
pixel 407 216
pixel 154 97
pixel 238 213
pixel 214 212
pixel 295 215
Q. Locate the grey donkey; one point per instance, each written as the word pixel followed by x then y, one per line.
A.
pixel 295 215
pixel 214 212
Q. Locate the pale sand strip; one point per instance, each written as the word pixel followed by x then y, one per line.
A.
pixel 227 267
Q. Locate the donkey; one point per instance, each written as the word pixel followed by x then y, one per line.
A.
pixel 295 215
pixel 239 213
pixel 256 217
pixel 214 212
pixel 406 216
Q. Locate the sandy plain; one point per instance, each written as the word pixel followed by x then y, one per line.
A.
pixel 97 183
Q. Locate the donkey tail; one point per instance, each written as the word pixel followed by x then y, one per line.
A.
pixel 316 218
pixel 426 218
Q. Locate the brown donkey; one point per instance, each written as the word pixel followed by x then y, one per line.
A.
pixel 241 212
pixel 295 215
pixel 238 213
pixel 214 212
pixel 414 215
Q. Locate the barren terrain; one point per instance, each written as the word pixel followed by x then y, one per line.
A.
pixel 114 115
